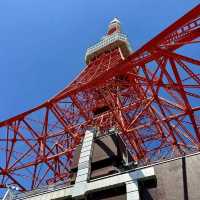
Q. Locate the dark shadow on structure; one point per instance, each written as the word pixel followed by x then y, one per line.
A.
pixel 113 193
pixel 145 186
pixel 145 195
pixel 185 184
pixel 105 148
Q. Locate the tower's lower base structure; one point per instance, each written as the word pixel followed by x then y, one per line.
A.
pixel 104 171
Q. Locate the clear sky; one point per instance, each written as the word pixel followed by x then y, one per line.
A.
pixel 43 42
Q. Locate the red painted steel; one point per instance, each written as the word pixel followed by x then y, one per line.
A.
pixel 152 98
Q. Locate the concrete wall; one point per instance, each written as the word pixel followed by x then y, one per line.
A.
pixel 176 180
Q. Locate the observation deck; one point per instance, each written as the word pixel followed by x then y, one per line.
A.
pixel 108 43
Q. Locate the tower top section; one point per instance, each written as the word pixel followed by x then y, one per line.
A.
pixel 114 26
pixel 113 39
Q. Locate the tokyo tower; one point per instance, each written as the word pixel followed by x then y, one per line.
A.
pixel 149 97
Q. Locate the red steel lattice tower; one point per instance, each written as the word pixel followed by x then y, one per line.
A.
pixel 151 97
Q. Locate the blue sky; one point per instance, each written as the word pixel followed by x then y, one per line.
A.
pixel 43 42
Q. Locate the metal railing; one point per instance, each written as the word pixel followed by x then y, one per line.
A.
pixel 108 40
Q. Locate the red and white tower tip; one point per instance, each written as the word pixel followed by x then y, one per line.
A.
pixel 114 26
pixel 112 40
